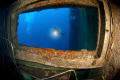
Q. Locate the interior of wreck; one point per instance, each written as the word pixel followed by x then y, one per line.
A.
pixel 60 39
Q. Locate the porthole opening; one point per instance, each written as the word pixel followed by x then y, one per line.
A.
pixel 59 28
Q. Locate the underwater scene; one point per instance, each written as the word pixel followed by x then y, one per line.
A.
pixel 59 28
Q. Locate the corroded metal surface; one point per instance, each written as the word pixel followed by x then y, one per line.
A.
pixel 74 59
pixel 23 5
pixel 67 59
pixel 42 71
pixel 111 70
pixel 52 53
pixel 56 2
pixel 49 3
pixel 64 59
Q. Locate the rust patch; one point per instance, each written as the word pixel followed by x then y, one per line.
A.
pixel 108 56
pixel 59 58
pixel 52 53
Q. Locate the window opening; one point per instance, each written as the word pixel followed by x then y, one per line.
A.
pixel 59 28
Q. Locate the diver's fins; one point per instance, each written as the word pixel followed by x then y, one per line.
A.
pixel 62 34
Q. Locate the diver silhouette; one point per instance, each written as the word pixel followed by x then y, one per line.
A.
pixel 56 31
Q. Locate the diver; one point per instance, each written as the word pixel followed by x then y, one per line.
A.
pixel 56 32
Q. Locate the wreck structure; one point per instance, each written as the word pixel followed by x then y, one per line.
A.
pixel 74 25
pixel 83 28
pixel 99 63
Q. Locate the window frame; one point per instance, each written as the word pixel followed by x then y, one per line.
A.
pixel 88 59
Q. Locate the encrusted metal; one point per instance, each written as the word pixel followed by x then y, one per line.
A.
pixel 57 58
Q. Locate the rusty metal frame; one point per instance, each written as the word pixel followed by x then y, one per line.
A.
pixel 64 59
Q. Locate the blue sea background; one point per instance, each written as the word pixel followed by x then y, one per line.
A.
pixel 35 28
pixel 79 26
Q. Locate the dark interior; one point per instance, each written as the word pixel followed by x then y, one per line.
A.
pixel 7 67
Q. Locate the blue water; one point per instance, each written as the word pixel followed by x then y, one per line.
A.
pixel 77 28
pixel 35 28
